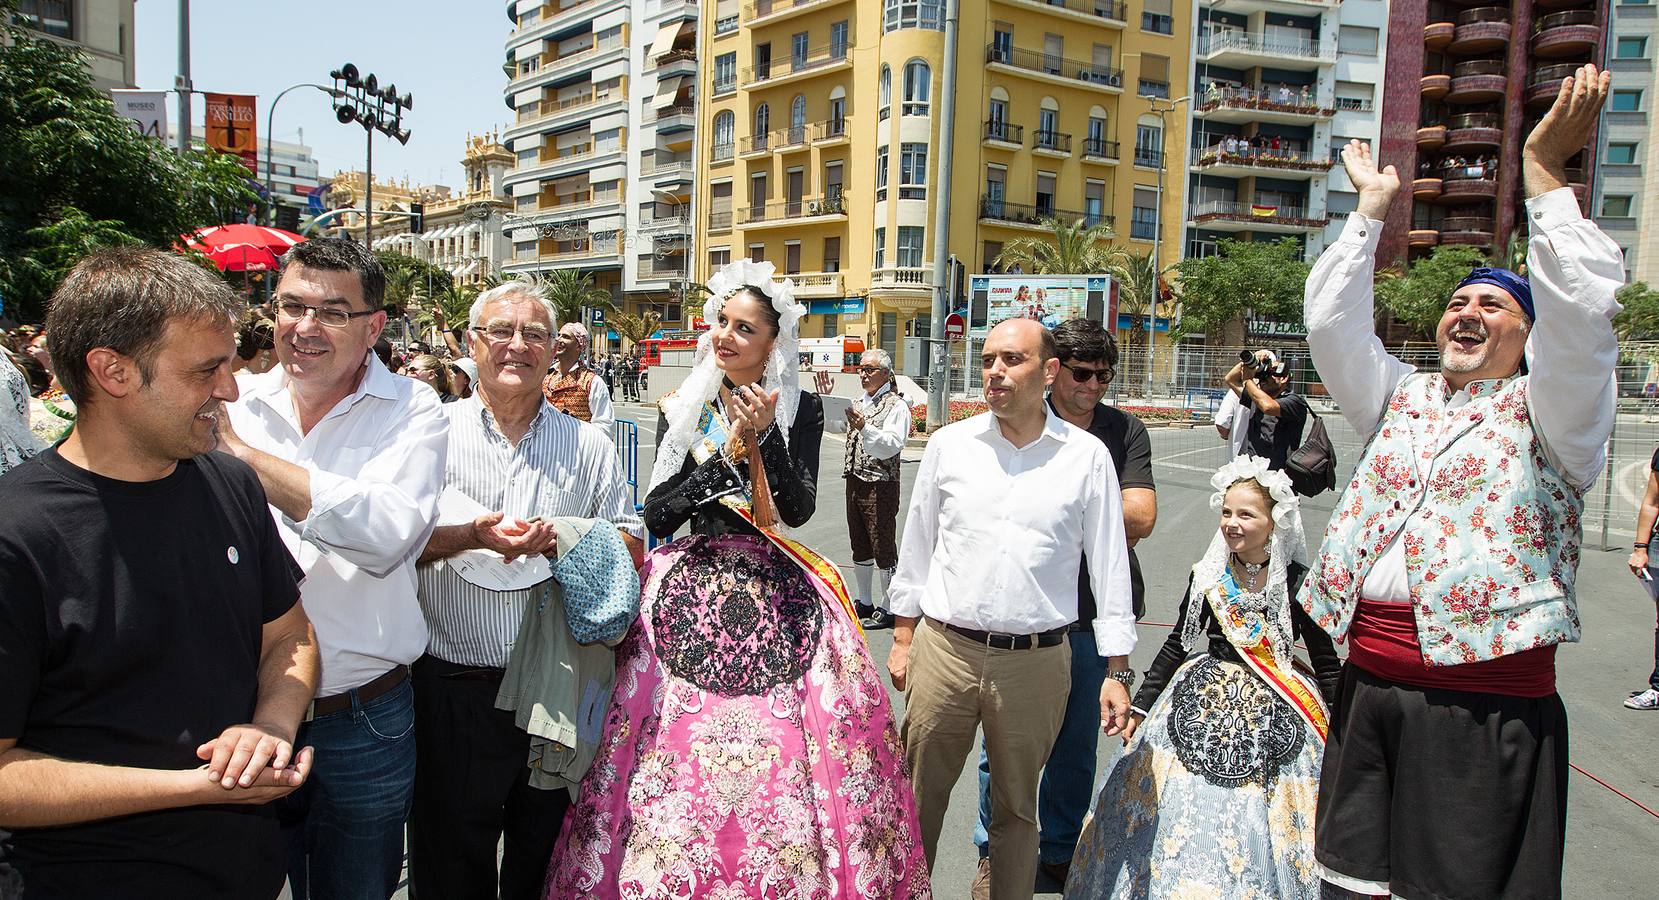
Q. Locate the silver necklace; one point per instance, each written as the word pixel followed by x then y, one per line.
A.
pixel 1251 570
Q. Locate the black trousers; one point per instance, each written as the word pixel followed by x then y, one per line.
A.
pixel 1444 795
pixel 471 790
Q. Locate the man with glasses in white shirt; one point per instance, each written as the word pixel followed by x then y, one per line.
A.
pixel 1005 509
pixel 351 457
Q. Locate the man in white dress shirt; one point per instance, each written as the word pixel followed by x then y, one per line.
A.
pixel 1005 508
pixel 876 424
pixel 1449 565
pixel 351 457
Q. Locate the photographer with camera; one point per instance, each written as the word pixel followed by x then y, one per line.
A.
pixel 1261 381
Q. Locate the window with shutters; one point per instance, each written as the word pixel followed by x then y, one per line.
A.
pixel 913 171
pixel 1045 193
pixel 1143 215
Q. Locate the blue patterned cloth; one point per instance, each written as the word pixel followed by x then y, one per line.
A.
pixel 599 582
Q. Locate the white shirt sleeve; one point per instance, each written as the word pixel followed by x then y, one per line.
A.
pixel 1228 408
pixel 921 530
pixel 1107 550
pixel 1342 339
pixel 611 498
pixel 379 518
pixel 1575 271
pixel 599 405
pixel 884 439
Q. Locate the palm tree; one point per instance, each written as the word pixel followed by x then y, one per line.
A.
pixel 1073 248
pixel 633 329
pixel 1139 283
pixel 571 291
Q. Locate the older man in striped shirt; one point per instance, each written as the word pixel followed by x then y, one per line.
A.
pixel 517 456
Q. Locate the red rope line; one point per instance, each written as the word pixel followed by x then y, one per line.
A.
pixel 1615 790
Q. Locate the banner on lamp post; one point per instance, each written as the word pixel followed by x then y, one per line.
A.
pixel 232 126
pixel 146 110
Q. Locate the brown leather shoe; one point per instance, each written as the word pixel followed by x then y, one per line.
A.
pixel 1057 871
pixel 982 880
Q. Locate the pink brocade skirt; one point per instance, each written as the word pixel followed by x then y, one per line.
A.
pixel 749 750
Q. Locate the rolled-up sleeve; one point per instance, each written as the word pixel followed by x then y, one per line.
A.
pixel 1575 271
pixel 884 439
pixel 921 529
pixel 1339 307
pixel 1106 549
pixel 383 515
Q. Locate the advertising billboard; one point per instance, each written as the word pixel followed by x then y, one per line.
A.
pixel 1049 299
pixel 232 126
pixel 146 110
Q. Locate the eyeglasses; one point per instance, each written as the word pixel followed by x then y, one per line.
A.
pixel 332 316
pixel 870 370
pixel 1080 374
pixel 502 333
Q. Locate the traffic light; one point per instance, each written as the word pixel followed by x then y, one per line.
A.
pixel 417 218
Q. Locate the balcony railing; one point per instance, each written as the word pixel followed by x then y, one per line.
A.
pixel 1475 120
pixel 793 209
pixel 1099 148
pixel 650 269
pixel 659 168
pixel 669 112
pixel 1552 74
pixel 1299 101
pixel 1051 140
pixel 688 54
pixel 720 220
pixel 1264 45
pixel 1563 19
pixel 1262 158
pixel 1111 10
pixel 795 65
pixel 1057 66
pixel 1478 67
pixel 1483 14
pixel 829 129
pixel 720 152
pixel 1148 157
pixel 764 8
pixel 902 278
pixel 1028 214
pixel 1006 132
pixel 1256 212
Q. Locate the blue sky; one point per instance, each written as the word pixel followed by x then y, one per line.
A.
pixel 447 54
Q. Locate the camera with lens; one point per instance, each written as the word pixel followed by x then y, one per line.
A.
pixel 1273 366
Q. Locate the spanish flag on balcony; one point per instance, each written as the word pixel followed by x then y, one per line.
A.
pixel 1257 209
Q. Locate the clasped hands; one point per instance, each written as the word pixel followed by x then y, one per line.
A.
pixel 751 411
pixel 513 538
pixel 253 763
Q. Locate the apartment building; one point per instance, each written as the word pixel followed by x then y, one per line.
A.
pixel 603 99
pixel 822 138
pixel 1280 86
pixel 1488 75
pixel 1628 142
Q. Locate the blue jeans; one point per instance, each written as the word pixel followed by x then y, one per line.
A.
pixel 345 826
pixel 1067 787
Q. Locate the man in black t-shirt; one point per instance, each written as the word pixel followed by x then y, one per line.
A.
pixel 1280 414
pixel 155 658
pixel 1088 360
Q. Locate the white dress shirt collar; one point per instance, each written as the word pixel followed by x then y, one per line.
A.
pixel 272 388
pixel 1053 427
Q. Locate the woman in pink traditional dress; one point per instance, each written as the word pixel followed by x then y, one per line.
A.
pixel 749 749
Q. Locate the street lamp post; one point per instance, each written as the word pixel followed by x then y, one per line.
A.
pixel 270 125
pixel 363 101
pixel 1158 233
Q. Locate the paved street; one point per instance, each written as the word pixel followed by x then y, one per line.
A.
pixel 1610 839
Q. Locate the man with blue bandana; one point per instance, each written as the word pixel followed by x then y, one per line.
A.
pixel 1449 563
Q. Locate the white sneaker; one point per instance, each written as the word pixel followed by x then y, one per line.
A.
pixel 1648 699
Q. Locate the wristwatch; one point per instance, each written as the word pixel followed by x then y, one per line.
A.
pixel 1125 678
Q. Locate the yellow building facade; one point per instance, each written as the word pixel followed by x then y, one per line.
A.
pixel 819 141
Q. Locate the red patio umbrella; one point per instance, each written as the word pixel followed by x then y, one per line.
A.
pixel 241 248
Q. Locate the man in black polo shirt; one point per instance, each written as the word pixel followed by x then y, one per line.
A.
pixel 155 659
pixel 1088 361
pixel 1279 414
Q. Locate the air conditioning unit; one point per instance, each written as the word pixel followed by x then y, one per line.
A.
pixel 815 208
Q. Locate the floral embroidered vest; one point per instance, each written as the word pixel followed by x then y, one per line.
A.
pixel 570 393
pixel 1491 529
pixel 861 465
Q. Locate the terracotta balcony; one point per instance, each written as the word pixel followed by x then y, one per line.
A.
pixel 1544 83
pixel 1435 86
pixel 1474 131
pixel 1423 237
pixel 1481 30
pixel 1460 188
pixel 1425 188
pixel 1473 231
pixel 1430 137
pixel 1436 35
pixel 1570 33
pixel 1477 81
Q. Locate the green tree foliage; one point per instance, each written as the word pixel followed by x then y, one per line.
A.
pixel 1417 296
pixel 634 329
pixel 1071 248
pixel 74 176
pixel 571 291
pixel 1262 277
pixel 1640 319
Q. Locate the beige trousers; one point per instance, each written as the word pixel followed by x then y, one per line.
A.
pixel 955 684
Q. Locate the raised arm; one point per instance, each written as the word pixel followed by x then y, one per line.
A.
pixel 1339 303
pixel 1574 270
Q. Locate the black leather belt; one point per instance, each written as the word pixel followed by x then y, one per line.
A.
pixel 1051 638
pixel 379 687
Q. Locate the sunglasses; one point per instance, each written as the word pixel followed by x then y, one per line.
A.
pixel 1081 374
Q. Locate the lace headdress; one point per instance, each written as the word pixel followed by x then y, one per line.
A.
pixel 1289 543
pixel 783 364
